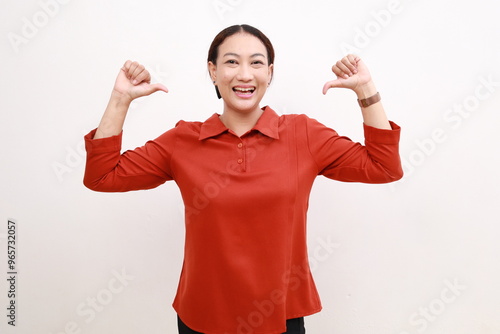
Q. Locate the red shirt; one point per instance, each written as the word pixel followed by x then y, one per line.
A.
pixel 245 265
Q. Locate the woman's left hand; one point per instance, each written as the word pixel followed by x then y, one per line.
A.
pixel 351 73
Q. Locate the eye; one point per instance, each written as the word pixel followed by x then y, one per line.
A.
pixel 258 62
pixel 231 61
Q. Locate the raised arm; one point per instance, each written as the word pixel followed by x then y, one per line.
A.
pixel 132 82
pixel 353 74
pixel 378 160
pixel 143 168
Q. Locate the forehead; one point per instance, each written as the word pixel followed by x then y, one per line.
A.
pixel 242 44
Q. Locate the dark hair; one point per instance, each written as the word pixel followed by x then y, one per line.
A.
pixel 213 52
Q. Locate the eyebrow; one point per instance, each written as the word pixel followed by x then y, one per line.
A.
pixel 237 55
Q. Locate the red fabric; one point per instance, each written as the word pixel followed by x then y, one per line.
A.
pixel 245 266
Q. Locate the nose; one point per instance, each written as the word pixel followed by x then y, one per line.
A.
pixel 245 73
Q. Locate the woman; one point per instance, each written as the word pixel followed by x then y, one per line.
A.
pixel 245 177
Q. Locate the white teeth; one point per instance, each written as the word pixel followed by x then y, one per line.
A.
pixel 243 89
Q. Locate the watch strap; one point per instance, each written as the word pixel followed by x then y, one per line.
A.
pixel 363 103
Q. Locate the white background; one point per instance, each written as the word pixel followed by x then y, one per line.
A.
pixel 384 256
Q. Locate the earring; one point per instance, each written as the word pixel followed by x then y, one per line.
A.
pixel 217 91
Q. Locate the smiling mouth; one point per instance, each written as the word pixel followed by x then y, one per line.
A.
pixel 244 91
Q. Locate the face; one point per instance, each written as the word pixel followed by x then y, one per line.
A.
pixel 242 72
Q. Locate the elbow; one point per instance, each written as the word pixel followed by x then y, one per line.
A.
pixel 396 177
pixel 100 181
pixel 395 174
pixel 95 184
pixel 400 175
pixel 387 174
pixel 89 184
pixel 99 187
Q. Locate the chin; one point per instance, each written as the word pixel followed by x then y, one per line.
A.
pixel 248 107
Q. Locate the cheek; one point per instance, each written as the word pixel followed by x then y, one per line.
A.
pixel 264 77
pixel 226 76
pixel 226 73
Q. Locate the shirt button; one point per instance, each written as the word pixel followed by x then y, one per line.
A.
pixel 240 145
pixel 240 161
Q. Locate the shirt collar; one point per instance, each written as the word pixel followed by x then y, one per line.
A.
pixel 267 125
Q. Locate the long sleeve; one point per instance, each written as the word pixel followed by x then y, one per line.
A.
pixel 341 159
pixel 145 167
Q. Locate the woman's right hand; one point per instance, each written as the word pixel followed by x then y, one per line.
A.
pixel 134 81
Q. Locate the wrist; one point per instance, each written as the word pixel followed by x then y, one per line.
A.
pixel 120 99
pixel 366 90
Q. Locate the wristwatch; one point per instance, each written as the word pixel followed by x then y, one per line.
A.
pixel 369 100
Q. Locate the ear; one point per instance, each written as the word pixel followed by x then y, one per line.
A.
pixel 271 72
pixel 212 68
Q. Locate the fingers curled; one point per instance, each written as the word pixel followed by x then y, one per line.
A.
pixel 136 72
pixel 347 66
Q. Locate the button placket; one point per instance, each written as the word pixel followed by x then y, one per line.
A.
pixel 241 154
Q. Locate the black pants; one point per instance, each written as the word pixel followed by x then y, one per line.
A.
pixel 293 326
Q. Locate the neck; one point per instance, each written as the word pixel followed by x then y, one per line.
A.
pixel 240 123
